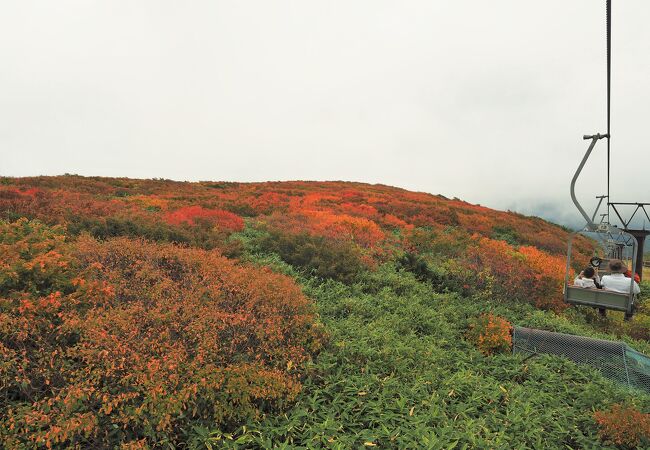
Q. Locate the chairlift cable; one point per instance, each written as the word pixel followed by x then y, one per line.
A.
pixel 608 19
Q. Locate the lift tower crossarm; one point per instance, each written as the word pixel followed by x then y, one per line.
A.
pixel 639 207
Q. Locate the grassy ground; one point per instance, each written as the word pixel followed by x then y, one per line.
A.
pixel 398 374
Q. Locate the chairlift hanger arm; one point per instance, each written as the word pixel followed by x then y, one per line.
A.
pixel 600 202
pixel 594 138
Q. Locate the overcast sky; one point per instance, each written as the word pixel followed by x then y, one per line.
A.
pixel 485 101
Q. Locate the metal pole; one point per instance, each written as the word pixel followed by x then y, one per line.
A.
pixel 640 236
pixel 590 224
pixel 600 201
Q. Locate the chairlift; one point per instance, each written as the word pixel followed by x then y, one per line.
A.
pixel 609 244
pixel 610 241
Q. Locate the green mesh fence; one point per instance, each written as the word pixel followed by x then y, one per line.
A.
pixel 614 359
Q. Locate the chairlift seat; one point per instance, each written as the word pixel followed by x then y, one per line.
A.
pixel 625 249
pixel 599 298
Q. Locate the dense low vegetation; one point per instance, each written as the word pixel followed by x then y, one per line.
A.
pixel 157 314
pixel 120 340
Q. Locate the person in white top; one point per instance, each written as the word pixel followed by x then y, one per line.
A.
pixel 588 278
pixel 617 281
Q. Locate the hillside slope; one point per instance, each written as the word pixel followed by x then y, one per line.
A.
pixel 69 197
pixel 295 314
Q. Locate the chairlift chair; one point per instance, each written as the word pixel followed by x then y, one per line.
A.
pixel 625 249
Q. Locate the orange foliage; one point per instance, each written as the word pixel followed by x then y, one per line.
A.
pixel 57 199
pixel 126 340
pixel 336 226
pixel 190 214
pixel 360 210
pixel 53 206
pixel 268 202
pixel 491 334
pixel 548 274
pixel 624 426
pixel 393 221
pixel 499 260
pixel 366 215
pixel 526 273
pixel 476 223
pixel 363 231
pixel 150 201
pixel 530 268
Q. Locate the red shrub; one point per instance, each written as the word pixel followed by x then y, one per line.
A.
pixel 268 202
pixel 393 221
pixel 501 261
pixel 547 277
pixel 190 214
pixel 362 231
pixel 360 210
pixel 476 223
pixel 525 274
pixel 624 426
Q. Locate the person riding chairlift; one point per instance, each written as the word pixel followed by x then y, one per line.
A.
pixel 588 278
pixel 617 281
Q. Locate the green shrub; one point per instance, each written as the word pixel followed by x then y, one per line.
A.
pixel 414 263
pixel 31 258
pixel 201 235
pixel 507 234
pixel 322 257
pixel 399 374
